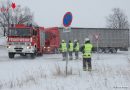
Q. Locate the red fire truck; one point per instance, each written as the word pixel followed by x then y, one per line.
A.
pixel 52 40
pixel 25 40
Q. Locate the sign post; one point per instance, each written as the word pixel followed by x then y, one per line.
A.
pixel 97 40
pixel 67 20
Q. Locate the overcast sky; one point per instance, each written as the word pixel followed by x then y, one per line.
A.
pixel 86 13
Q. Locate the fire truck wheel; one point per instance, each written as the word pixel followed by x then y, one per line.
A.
pixel 11 55
pixel 33 55
pixel 22 54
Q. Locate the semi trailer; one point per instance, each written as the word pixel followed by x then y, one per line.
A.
pixel 107 40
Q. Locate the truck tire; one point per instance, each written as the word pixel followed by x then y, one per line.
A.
pixel 107 50
pixel 32 55
pixel 23 55
pixel 11 55
pixel 113 50
pixel 100 50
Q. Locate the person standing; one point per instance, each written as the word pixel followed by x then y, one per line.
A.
pixel 63 49
pixel 76 49
pixel 70 49
pixel 87 54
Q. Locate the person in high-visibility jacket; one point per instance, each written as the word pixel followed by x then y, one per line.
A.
pixel 76 49
pixel 87 54
pixel 63 49
pixel 70 49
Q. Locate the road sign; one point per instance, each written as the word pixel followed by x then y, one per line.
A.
pixel 96 36
pixel 67 19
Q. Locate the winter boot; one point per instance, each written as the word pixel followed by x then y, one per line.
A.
pixel 84 69
pixel 89 66
pixel 89 69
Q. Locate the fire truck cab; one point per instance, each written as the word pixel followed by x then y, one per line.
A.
pixel 25 40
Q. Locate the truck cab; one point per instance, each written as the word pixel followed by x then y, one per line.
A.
pixel 24 40
pixel 52 40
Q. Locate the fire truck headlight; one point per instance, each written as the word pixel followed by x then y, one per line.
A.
pixel 28 47
pixel 48 47
pixel 8 47
pixel 44 47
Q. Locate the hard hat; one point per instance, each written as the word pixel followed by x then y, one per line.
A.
pixel 75 40
pixel 87 39
pixel 63 40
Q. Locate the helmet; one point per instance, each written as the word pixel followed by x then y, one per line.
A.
pixel 75 40
pixel 63 40
pixel 87 39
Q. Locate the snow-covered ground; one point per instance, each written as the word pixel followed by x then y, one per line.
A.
pixel 110 72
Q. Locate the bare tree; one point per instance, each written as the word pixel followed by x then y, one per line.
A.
pixel 117 20
pixel 9 16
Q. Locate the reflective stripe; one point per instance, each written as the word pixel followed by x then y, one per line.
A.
pixel 87 55
pixel 63 47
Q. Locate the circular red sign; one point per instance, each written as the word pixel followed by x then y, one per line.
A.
pixel 67 19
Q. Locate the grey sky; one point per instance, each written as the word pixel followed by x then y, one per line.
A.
pixel 86 13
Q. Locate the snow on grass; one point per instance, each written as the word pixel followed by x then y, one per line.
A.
pixel 110 72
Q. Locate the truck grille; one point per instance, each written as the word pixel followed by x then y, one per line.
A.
pixel 19 43
pixel 18 49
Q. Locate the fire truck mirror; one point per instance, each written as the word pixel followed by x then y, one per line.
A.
pixel 30 25
pixel 34 32
pixel 12 25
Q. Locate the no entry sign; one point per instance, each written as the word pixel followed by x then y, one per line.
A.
pixel 96 36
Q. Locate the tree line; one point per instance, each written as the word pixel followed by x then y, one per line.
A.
pixel 19 15
pixel 23 15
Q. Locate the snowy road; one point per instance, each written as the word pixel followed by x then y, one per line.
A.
pixel 110 72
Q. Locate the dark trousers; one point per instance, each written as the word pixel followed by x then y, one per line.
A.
pixel 70 55
pixel 64 55
pixel 87 62
pixel 76 54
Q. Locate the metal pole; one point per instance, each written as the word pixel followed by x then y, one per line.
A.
pixel 66 57
pixel 97 50
pixel 66 67
pixel 67 64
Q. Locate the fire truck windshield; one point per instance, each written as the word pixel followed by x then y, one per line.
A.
pixel 20 32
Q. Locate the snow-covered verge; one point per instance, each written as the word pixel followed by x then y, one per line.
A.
pixel 110 72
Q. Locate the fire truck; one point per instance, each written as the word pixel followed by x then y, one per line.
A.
pixel 52 40
pixel 25 40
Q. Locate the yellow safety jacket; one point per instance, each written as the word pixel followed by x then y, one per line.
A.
pixel 63 47
pixel 70 47
pixel 87 50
